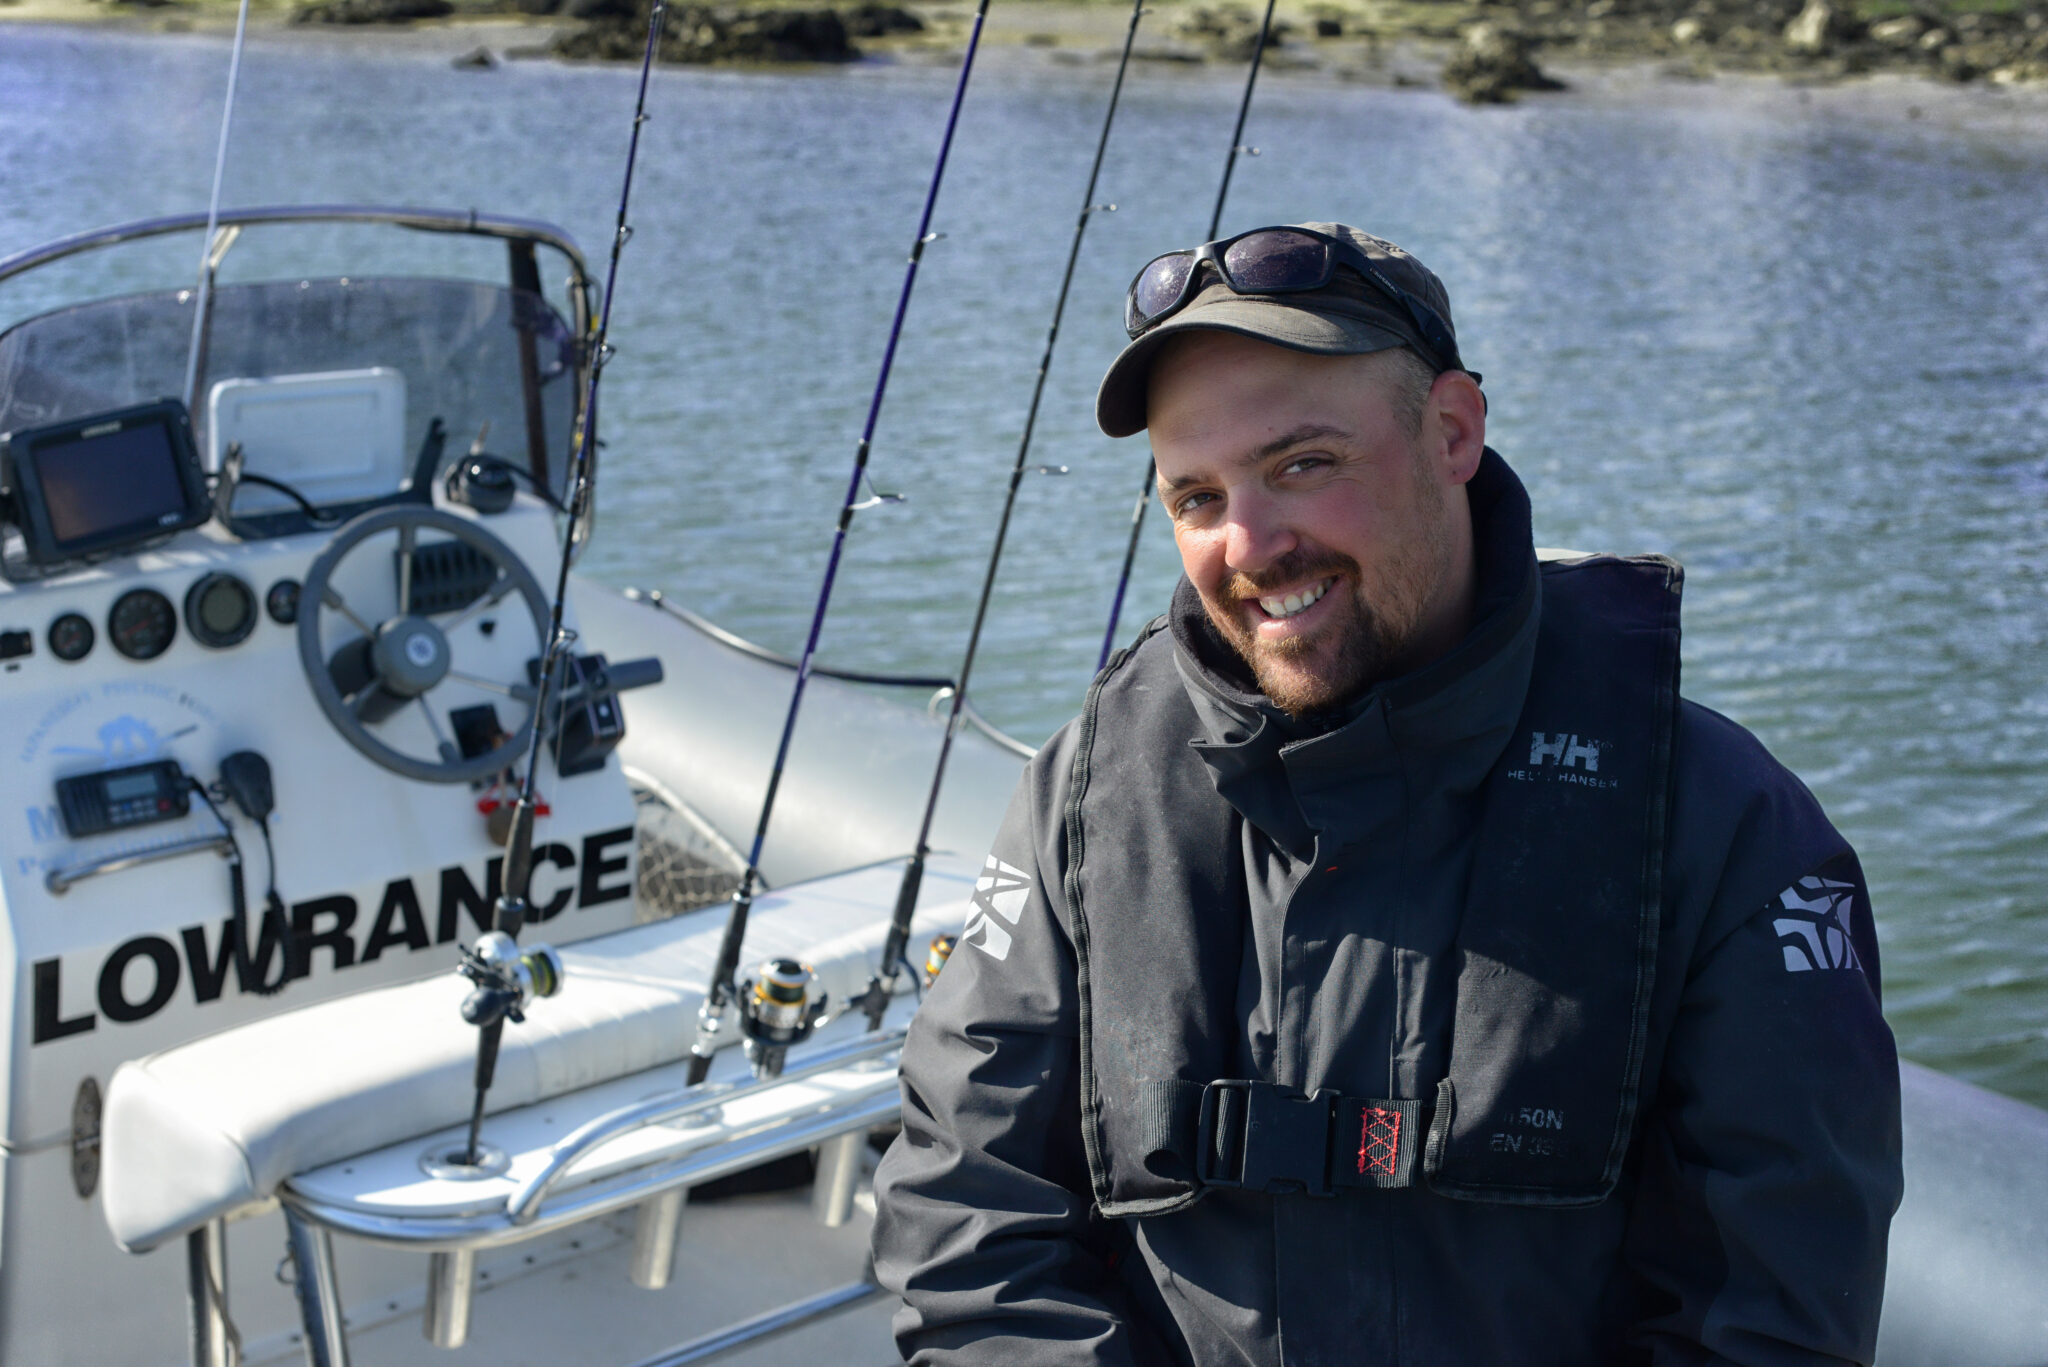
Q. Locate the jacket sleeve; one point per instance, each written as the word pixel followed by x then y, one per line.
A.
pixel 982 1221
pixel 1771 1161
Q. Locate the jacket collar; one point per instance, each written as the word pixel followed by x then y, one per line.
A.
pixel 1444 724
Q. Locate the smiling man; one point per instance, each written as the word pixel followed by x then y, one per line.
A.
pixel 1388 966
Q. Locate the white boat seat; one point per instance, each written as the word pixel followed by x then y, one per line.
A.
pixel 197 1132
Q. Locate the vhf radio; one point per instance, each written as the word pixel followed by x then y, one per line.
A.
pixel 114 799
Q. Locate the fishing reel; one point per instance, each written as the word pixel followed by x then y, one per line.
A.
pixel 776 1011
pixel 935 957
pixel 507 978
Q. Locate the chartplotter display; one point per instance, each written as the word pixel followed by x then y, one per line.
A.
pixel 101 484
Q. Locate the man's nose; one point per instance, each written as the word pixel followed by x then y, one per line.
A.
pixel 1256 534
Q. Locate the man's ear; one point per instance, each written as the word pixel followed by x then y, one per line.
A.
pixel 1460 412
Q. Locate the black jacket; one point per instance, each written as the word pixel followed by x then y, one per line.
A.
pixel 1750 1220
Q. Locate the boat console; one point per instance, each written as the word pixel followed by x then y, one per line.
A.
pixel 269 666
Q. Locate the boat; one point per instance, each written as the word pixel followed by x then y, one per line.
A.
pixel 265 673
pixel 148 655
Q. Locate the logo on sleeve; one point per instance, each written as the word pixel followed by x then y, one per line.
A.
pixel 1815 931
pixel 999 892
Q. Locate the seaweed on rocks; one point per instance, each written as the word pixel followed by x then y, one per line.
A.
pixel 370 11
pixel 1492 64
pixel 698 34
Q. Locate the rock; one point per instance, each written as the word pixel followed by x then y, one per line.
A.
pixel 476 59
pixel 1690 29
pixel 1902 32
pixel 879 21
pixel 1493 62
pixel 603 9
pixel 1821 27
pixel 1329 28
pixel 2021 72
pixel 370 11
pixel 1231 34
pixel 701 34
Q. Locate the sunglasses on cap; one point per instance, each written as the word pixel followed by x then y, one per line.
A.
pixel 1275 261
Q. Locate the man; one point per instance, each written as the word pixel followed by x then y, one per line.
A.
pixel 1387 966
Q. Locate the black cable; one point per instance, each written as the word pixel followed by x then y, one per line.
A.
pixel 1123 580
pixel 247 973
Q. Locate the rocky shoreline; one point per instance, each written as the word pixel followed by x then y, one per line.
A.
pixel 1491 51
pixel 1484 51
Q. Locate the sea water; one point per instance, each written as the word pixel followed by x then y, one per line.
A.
pixel 1798 342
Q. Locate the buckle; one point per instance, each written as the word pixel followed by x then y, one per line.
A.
pixel 1255 1136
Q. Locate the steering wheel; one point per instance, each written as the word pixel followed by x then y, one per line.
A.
pixel 397 661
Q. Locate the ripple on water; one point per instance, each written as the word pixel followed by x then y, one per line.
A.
pixel 1809 358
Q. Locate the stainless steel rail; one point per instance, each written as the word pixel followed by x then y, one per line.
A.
pixel 492 1227
pixel 59 880
pixel 771 1324
pixel 422 220
pixel 679 1105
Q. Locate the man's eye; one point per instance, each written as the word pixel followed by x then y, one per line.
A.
pixel 1189 503
pixel 1301 464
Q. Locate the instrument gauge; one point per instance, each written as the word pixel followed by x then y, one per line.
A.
pixel 220 610
pixel 142 624
pixel 282 602
pixel 71 637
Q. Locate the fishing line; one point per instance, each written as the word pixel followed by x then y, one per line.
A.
pixel 510 912
pixel 882 986
pixel 720 992
pixel 1244 107
pixel 208 260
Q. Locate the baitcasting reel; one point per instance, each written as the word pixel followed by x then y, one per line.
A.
pixel 507 978
pixel 776 1011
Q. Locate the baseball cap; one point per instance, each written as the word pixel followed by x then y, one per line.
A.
pixel 1349 316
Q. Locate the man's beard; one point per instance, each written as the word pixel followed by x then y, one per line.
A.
pixel 1365 642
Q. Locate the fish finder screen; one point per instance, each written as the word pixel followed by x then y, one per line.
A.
pixel 110 481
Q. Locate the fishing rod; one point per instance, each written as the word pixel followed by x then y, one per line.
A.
pixel 882 987
pixel 211 252
pixel 1244 108
pixel 721 991
pixel 505 978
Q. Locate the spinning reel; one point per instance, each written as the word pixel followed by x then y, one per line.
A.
pixel 777 1012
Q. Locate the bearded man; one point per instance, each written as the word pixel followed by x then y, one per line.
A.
pixel 1387 965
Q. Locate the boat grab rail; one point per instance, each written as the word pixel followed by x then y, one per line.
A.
pixel 732 641
pixel 496 1224
pixel 423 220
pixel 680 1104
pixel 60 879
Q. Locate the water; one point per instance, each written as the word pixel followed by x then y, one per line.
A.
pixel 1803 349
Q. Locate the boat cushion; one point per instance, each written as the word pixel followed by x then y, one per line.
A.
pixel 197 1132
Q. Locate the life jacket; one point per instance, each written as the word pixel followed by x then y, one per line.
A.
pixel 1556 947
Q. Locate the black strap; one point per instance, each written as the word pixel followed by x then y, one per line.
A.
pixel 1249 1135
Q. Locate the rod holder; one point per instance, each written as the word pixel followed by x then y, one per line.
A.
pixel 206 1271
pixel 838 1175
pixel 451 1287
pixel 654 1237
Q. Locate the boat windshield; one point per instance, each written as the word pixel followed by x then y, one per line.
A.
pixel 468 353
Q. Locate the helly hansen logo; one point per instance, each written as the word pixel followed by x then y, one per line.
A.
pixel 999 892
pixel 1565 749
pixel 1815 933
pixel 1563 757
